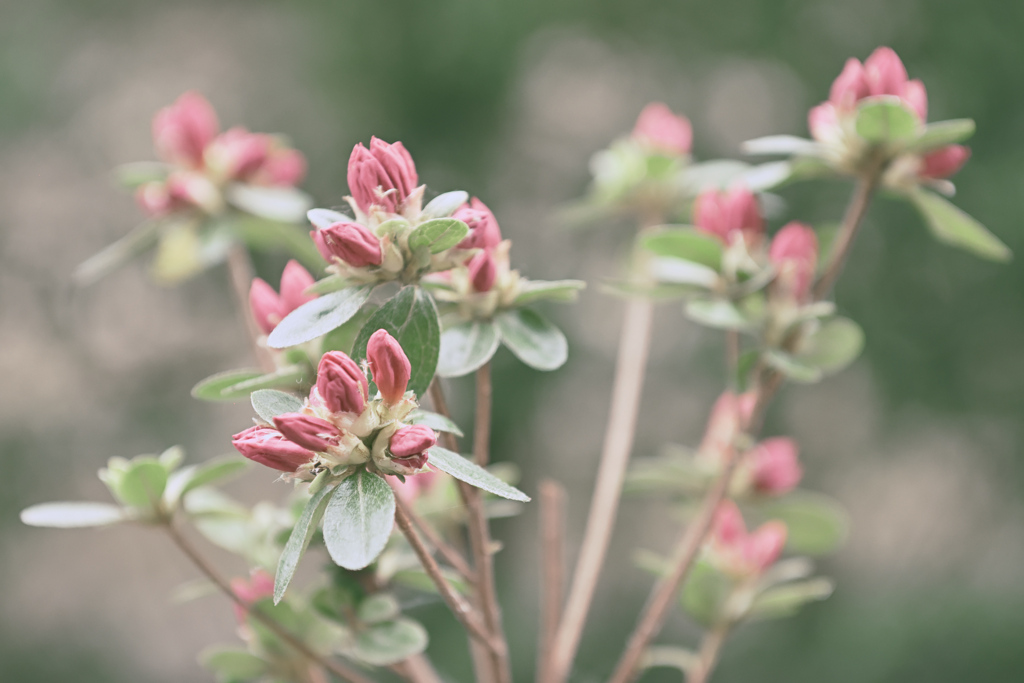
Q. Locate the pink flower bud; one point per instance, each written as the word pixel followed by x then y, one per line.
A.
pixel 794 251
pixel 183 130
pixel 258 586
pixel 727 527
pixel 850 86
pixel 728 417
pixel 739 553
pixel 155 198
pixel 765 545
pixel 944 162
pixel 414 486
pixel 341 383
pixel 915 96
pixel 238 154
pixel 294 281
pixel 308 431
pixel 482 271
pixel 726 214
pixel 410 445
pixel 266 305
pixel 390 366
pixel 284 168
pixel 269 447
pixel 383 175
pixel 663 130
pixel 884 73
pixel 353 243
pixel 776 466
pixel 823 122
pixel 484 232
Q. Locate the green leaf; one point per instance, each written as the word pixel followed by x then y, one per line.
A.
pixel 377 608
pixel 269 403
pixel 886 120
pixel 685 243
pixel 115 255
pixel 435 421
pixel 669 656
pixel 785 600
pixel 232 664
pixel 298 541
pixel 718 313
pixel 325 218
pixel 704 594
pixel 444 205
pixel 318 317
pixel 781 144
pixel 72 515
pixel 465 347
pixel 215 470
pixel 817 524
pixel 438 234
pixel 289 377
pixel 343 338
pixel 954 227
pixel 215 387
pixel 390 642
pixel 262 234
pixel 138 173
pixel 411 318
pixel 942 133
pixel 142 484
pixel 532 339
pixel 471 473
pixel 555 290
pixel 678 271
pixel 834 345
pixel 277 203
pixel 358 520
pixel 792 368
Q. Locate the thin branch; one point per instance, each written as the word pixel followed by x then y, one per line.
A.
pixel 482 426
pixel 852 220
pixel 240 271
pixel 450 554
pixel 337 668
pixel 417 669
pixel 552 534
pixel 634 345
pixel 460 608
pixel 707 658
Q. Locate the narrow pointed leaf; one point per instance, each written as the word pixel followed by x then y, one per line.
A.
pixel 954 227
pixel 781 144
pixel 269 403
pixel 687 243
pixel 435 421
pixel 72 515
pixel 358 520
pixel 465 347
pixel 280 203
pixel 471 473
pixel 942 133
pixel 411 318
pixel 717 313
pixel 298 541
pixel 555 290
pixel 444 205
pixel 438 234
pixel 214 387
pixel 835 345
pixel 533 339
pixel 325 218
pixel 115 255
pixel 215 470
pixel 318 317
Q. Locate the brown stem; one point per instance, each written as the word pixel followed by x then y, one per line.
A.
pixel 417 669
pixel 450 554
pixel 337 668
pixel 707 658
pixel 552 568
pixel 482 427
pixel 634 344
pixel 459 606
pixel 240 270
pixel 852 220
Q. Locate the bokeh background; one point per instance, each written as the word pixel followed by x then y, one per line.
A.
pixel 921 439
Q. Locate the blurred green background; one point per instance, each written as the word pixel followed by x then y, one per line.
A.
pixel 921 439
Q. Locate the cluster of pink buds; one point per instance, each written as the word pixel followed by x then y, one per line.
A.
pixel 268 307
pixel 340 426
pixel 729 215
pixel 203 161
pixel 739 553
pixel 663 131
pixel 770 468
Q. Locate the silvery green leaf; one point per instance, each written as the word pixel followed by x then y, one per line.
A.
pixel 269 403
pixel 377 608
pixel 389 642
pixel 886 119
pixel 325 218
pixel 299 540
pixel 115 255
pixel 438 234
pixel 435 421
pixel 781 144
pixel 681 272
pixel 444 205
pixel 954 227
pixel 471 473
pixel 941 134
pixel 717 313
pixel 280 203
pixel 466 347
pixel 556 290
pixel 358 520
pixel 784 600
pixel 318 317
pixel 72 515
pixel 832 347
pixel 684 242
pixel 532 339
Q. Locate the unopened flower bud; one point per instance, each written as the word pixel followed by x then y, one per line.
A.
pixel 269 447
pixel 728 417
pixel 739 553
pixel 765 545
pixel 258 586
pixel 482 271
pixel 341 383
pixel 353 243
pixel 415 486
pixel 794 251
pixel 727 214
pixel 484 232
pixel 265 305
pixel 237 154
pixel 294 281
pixel 410 445
pixel 850 86
pixel 308 431
pixel 390 366
pixel 284 167
pixel 383 175
pixel 944 162
pixel 884 72
pixel 155 198
pixel 776 466
pixel 661 129
pixel 915 96
pixel 182 131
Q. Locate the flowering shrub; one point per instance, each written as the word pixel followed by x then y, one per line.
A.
pixel 402 292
